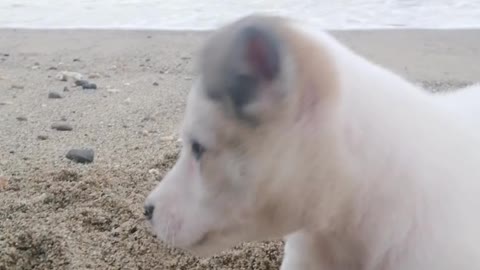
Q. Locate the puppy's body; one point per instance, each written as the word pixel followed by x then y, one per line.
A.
pixel 361 169
pixel 464 102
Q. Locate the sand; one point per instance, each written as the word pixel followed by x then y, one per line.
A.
pixel 58 214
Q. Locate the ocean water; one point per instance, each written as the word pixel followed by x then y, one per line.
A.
pixel 208 14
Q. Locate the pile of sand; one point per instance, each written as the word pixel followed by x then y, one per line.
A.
pixel 71 220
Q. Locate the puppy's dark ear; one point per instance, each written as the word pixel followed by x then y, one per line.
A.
pixel 240 63
pixel 261 52
pixel 255 63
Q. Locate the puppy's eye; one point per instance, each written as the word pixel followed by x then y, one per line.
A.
pixel 197 150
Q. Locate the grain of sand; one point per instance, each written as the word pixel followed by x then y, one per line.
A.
pixel 57 214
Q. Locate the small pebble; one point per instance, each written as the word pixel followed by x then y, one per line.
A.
pixel 16 86
pixel 65 75
pixel 154 171
pixel 81 155
pixel 65 89
pixel 167 138
pixel 94 76
pixel 62 127
pixel 81 82
pixel 155 84
pixel 22 118
pixel 6 54
pixel 6 103
pixel 42 137
pixel 144 132
pixel 89 86
pixel 54 95
pixel 148 118
pixel 76 60
pixel 113 90
pixel 3 183
pixel 62 77
pixel 52 68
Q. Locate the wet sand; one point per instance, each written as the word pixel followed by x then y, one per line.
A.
pixel 59 214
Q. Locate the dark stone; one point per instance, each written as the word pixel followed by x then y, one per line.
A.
pixel 81 82
pixel 81 155
pixel 155 84
pixel 76 60
pixel 42 137
pixel 17 87
pixel 89 86
pixel 133 230
pixel 65 89
pixel 52 68
pixel 22 118
pixel 54 95
pixel 62 127
pixel 6 54
pixel 148 118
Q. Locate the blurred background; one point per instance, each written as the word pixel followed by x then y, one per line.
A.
pixel 201 15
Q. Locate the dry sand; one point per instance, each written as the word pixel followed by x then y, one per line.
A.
pixel 57 214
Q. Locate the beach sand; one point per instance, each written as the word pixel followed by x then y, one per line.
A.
pixel 58 214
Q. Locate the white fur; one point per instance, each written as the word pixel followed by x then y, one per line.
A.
pixel 464 102
pixel 385 177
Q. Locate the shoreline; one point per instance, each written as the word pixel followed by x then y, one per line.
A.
pixel 408 52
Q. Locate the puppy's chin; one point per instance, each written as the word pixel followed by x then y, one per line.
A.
pixel 205 245
pixel 204 248
pixel 204 251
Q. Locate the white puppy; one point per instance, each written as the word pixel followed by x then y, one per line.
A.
pixel 289 133
pixel 464 102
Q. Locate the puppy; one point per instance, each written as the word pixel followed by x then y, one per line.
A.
pixel 464 102
pixel 288 133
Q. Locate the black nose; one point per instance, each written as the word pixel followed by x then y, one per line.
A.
pixel 148 211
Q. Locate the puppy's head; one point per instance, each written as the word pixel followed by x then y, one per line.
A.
pixel 239 176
